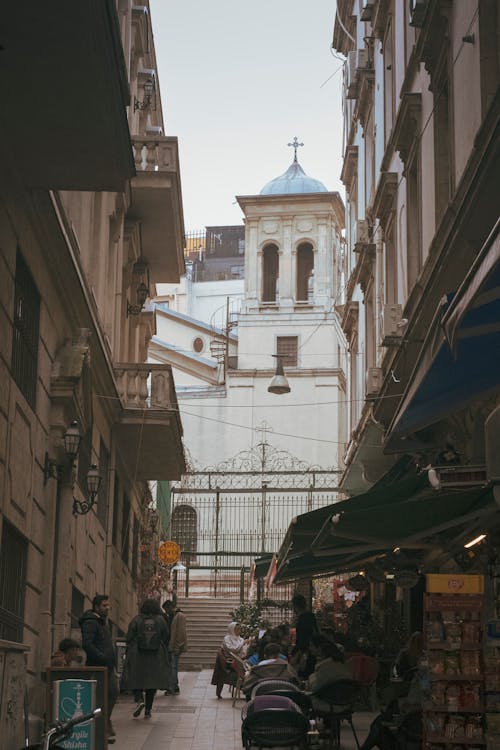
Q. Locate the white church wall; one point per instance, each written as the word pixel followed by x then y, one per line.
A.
pixel 303 422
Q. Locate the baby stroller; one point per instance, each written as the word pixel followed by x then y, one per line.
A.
pixel 271 721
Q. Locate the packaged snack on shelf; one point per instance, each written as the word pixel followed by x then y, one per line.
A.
pixel 471 633
pixel 454 726
pixel 438 692
pixel 452 663
pixel 453 694
pixel 449 615
pixel 436 662
pixel 470 696
pixel 434 630
pixel 474 727
pixel 471 662
pixel 454 634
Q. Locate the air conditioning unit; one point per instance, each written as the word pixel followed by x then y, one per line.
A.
pixel 418 9
pixel 374 379
pixel 367 9
pixel 393 325
pixel 362 239
pixel 352 79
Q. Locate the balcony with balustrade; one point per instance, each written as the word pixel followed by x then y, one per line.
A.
pixel 156 204
pixel 149 432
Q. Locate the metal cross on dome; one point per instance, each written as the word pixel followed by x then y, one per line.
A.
pixel 295 145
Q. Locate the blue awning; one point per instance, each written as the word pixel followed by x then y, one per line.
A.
pixel 460 358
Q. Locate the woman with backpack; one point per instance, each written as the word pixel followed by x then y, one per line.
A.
pixel 146 659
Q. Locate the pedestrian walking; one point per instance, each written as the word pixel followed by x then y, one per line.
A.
pixel 146 660
pixel 98 645
pixel 177 643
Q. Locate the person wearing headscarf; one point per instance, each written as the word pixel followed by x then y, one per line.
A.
pixel 232 641
pixel 229 663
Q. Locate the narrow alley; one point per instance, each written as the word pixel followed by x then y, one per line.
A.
pixel 196 720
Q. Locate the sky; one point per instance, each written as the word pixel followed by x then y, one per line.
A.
pixel 238 81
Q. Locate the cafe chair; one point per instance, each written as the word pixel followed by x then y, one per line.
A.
pixel 338 699
pixel 364 670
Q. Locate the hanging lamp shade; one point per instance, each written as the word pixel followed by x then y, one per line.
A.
pixel 279 383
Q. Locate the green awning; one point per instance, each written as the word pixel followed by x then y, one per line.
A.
pixel 364 527
pixel 262 565
pixel 304 529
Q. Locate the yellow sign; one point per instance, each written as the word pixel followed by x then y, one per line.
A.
pixel 451 583
pixel 169 552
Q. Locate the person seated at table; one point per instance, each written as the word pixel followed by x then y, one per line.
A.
pixel 68 654
pixel 408 658
pixel 272 667
pixel 402 716
pixel 285 639
pixel 228 668
pixel 329 668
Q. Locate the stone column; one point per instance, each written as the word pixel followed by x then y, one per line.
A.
pixel 287 271
pixel 253 265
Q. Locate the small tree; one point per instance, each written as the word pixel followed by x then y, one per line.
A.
pixel 248 614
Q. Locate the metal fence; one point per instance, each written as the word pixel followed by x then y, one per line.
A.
pixel 226 516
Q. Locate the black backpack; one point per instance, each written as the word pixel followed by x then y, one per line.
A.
pixel 148 634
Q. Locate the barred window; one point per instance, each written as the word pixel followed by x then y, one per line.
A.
pixel 25 331
pixel 305 270
pixel 185 528
pixel 13 559
pixel 77 607
pixel 270 273
pixel 287 347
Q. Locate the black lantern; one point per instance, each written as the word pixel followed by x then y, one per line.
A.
pixel 93 482
pixel 71 440
pixel 140 282
pixel 149 95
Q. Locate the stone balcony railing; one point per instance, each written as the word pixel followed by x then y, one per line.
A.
pixel 155 153
pixel 146 386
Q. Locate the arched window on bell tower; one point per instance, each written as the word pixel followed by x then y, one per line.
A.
pixel 305 270
pixel 270 273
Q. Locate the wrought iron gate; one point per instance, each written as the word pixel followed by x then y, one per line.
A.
pixel 225 516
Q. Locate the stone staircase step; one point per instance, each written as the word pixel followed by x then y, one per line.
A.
pixel 207 620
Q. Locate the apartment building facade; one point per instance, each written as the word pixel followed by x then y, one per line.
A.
pixel 421 170
pixel 90 220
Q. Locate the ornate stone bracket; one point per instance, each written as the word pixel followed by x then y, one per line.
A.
pixel 408 124
pixel 71 385
pixel 384 197
pixel 350 167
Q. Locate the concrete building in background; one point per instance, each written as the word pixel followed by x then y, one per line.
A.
pixel 421 171
pixel 90 220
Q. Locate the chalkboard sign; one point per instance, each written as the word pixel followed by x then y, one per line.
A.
pixel 73 690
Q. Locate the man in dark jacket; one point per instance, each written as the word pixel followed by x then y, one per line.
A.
pixel 98 645
pixel 306 630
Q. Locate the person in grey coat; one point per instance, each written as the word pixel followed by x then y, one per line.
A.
pixel 146 667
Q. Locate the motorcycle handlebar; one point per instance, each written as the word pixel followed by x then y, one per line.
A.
pixel 65 727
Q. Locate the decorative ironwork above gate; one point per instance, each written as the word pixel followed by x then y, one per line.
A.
pixel 227 514
pixel 261 465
